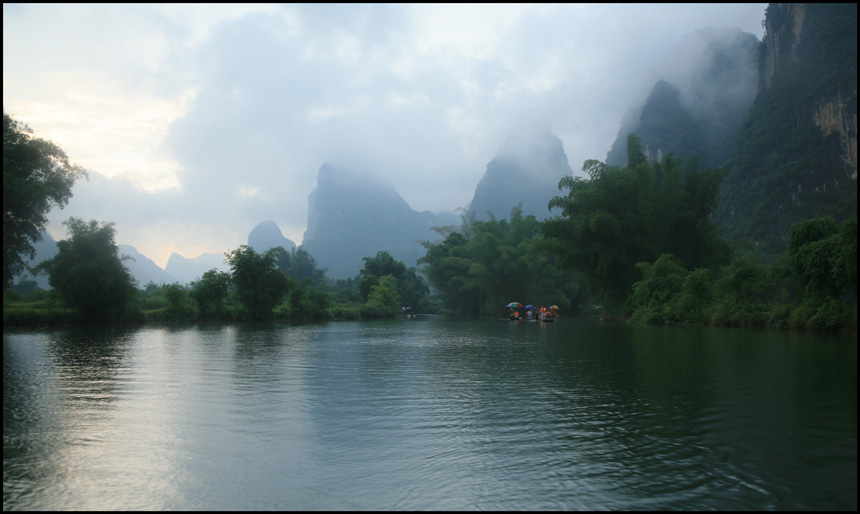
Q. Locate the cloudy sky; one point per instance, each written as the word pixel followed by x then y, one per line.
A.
pixel 197 122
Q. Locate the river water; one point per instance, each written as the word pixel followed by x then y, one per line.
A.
pixel 433 413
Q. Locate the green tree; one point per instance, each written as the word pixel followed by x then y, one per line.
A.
pixel 307 302
pixel 260 285
pixel 299 265
pixel 384 300
pixel 175 295
pixel 383 264
pixel 625 216
pixel 177 299
pixel 89 274
pixel 653 296
pixel 37 176
pixel 487 264
pixel 209 292
pixel 411 287
pixel 824 255
pixel 697 294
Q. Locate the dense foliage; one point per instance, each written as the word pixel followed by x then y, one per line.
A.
pixel 812 286
pixel 623 216
pixel 485 265
pixel 411 289
pixel 260 284
pixel 37 176
pixel 89 275
pixel 209 293
pixel 823 256
pixel 299 265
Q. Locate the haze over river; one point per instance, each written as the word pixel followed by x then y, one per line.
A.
pixel 432 413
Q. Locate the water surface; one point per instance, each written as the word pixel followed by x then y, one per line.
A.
pixel 432 413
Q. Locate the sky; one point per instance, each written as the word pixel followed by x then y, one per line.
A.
pixel 197 122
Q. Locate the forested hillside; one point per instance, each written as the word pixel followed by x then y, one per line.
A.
pixel 796 154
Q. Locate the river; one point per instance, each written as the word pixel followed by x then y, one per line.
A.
pixel 434 413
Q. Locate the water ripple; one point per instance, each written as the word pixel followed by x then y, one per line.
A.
pixel 427 415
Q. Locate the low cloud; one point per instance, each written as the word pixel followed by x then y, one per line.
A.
pixel 247 102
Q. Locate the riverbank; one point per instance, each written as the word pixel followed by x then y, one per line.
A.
pixel 841 319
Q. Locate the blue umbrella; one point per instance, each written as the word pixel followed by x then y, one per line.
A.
pixel 529 306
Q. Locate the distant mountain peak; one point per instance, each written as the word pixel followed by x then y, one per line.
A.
pixel 188 270
pixel 352 215
pixel 267 235
pixel 526 169
pixel 143 268
pixel 699 102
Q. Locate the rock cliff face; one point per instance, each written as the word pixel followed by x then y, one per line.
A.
pixel 837 116
pixel 526 170
pixel 788 28
pixel 796 155
pixel 783 26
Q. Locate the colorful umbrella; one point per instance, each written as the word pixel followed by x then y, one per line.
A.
pixel 514 304
pixel 554 307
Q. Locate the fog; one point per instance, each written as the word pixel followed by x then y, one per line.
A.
pixel 197 122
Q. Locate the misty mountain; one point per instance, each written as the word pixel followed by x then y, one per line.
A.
pixel 187 270
pixel 796 154
pixel 697 107
pixel 665 125
pixel 143 268
pixel 267 235
pixel 352 215
pixel 526 169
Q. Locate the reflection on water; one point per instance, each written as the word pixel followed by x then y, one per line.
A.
pixel 432 413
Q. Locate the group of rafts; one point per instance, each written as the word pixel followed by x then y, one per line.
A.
pixel 532 313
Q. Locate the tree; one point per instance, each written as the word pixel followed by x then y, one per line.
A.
pixel 308 302
pixel 652 298
pixel 175 295
pixel 500 261
pixel 260 285
pixel 89 274
pixel 37 176
pixel 411 287
pixel 625 216
pixel 824 255
pixel 209 292
pixel 384 300
pixel 299 265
